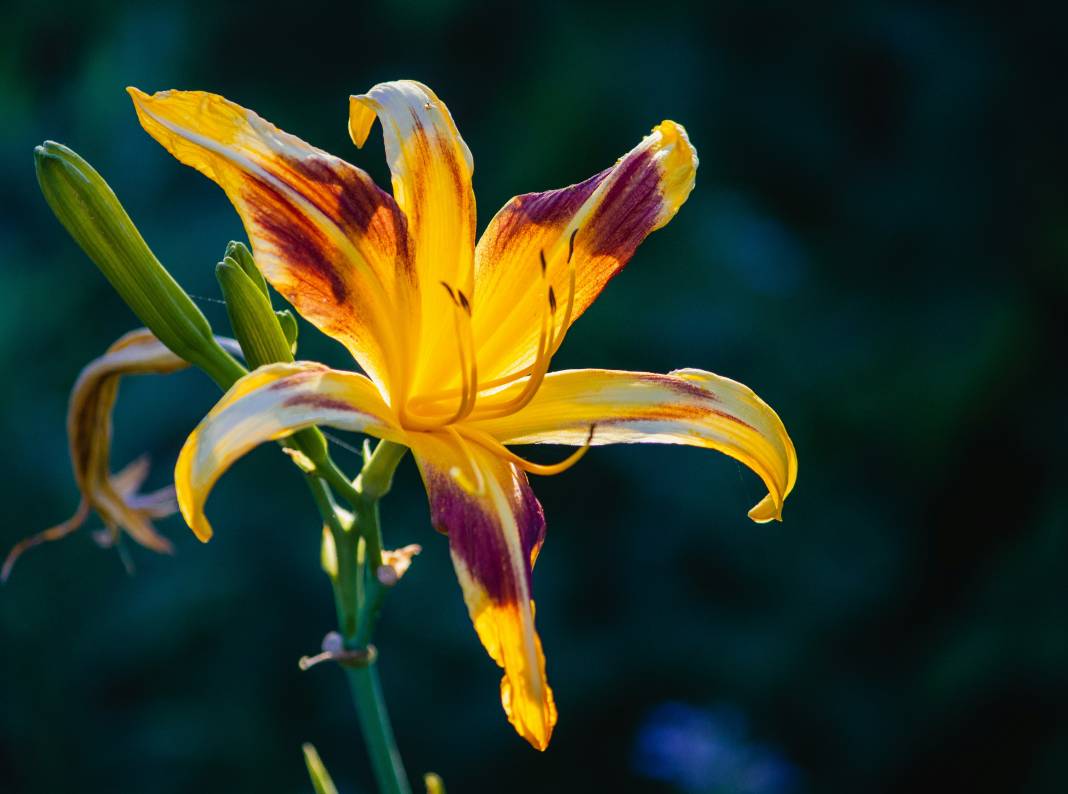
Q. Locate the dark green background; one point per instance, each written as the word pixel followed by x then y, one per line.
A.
pixel 876 244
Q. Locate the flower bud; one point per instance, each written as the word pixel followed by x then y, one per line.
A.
pixel 240 254
pixel 257 327
pixel 92 214
pixel 254 322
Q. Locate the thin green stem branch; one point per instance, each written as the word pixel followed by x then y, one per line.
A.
pixel 358 595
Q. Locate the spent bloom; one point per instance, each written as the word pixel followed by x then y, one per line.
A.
pixel 116 498
pixel 455 336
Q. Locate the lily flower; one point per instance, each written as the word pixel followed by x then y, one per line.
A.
pixel 116 498
pixel 456 338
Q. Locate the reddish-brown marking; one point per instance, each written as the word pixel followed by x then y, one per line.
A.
pixel 318 401
pixel 681 386
pixel 298 377
pixel 302 245
pixel 347 195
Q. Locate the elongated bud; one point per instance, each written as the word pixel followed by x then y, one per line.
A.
pixel 90 211
pixel 240 254
pixel 256 326
pixel 254 322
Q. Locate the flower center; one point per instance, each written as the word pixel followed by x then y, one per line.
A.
pixel 492 399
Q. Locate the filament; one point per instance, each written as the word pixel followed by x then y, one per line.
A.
pixel 484 439
pixel 538 369
pixel 550 337
pixel 465 345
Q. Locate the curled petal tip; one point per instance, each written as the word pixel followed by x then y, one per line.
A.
pixel 767 509
pixel 203 531
pixel 361 118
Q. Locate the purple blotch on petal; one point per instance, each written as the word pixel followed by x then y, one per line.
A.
pixel 475 533
pixel 629 208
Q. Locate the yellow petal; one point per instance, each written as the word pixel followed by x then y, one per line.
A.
pixel 325 236
pixel 604 218
pixel 495 527
pixel 687 406
pixel 270 403
pixel 431 167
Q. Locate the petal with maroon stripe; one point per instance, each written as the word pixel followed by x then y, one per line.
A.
pixel 495 527
pixel 327 238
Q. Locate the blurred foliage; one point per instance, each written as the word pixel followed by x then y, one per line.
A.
pixel 877 245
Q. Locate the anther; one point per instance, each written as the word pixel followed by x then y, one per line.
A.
pixel 552 301
pixel 464 302
pixel 571 245
pixel 544 266
pixel 448 289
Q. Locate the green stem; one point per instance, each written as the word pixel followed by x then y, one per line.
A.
pixel 377 732
pixel 374 482
pixel 358 595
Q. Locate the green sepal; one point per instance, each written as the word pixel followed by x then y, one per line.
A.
pixel 240 254
pixel 92 214
pixel 320 778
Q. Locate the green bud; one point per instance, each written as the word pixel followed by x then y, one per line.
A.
pixel 94 217
pixel 288 321
pixel 240 254
pixel 262 339
pixel 320 778
pixel 254 322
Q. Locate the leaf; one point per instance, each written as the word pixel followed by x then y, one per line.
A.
pixel 320 778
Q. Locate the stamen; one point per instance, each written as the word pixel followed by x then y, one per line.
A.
pixel 538 370
pixel 556 338
pixel 465 344
pixel 545 470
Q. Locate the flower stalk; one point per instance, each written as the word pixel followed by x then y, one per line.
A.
pixel 358 591
pixel 356 536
